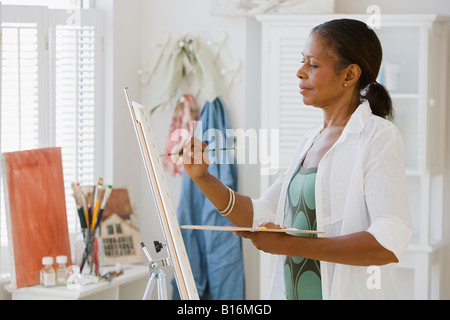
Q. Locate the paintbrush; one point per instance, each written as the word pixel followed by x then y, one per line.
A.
pixel 98 189
pixel 88 195
pixel 106 195
pixel 79 204
pixel 84 204
pixel 180 153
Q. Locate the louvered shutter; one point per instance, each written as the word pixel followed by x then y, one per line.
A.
pixel 23 75
pixel 295 118
pixel 76 59
pixel 283 108
pixel 20 87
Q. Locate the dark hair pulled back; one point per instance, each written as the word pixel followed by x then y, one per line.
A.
pixel 353 42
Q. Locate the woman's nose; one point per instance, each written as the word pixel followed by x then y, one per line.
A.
pixel 301 74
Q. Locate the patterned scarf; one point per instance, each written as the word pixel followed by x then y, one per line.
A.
pixel 184 117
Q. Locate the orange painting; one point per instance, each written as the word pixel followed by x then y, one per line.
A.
pixel 36 211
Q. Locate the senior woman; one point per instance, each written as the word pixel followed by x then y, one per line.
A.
pixel 346 178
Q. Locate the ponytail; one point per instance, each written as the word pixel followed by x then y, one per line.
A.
pixel 379 100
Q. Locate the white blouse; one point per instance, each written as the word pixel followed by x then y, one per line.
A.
pixel 360 186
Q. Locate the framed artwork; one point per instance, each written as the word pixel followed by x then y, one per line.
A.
pixel 259 7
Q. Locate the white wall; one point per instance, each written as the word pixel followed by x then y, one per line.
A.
pixel 122 52
pixel 138 23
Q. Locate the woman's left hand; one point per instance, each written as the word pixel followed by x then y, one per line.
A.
pixel 270 242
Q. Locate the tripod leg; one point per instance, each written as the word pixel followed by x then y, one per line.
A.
pixel 150 285
pixel 162 292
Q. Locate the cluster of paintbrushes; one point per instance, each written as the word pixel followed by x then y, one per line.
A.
pixel 91 202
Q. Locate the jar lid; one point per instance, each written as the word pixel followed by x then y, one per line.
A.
pixel 47 260
pixel 61 259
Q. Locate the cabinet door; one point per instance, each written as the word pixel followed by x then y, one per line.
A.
pixel 282 103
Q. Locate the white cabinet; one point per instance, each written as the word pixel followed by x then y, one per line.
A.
pixel 415 59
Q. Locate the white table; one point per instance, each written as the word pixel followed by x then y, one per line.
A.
pixel 130 285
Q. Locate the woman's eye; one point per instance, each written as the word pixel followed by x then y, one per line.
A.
pixel 313 66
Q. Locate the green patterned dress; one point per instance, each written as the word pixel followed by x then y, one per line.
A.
pixel 302 276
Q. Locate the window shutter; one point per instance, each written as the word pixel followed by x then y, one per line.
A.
pixel 20 128
pixel 294 118
pixel 52 91
pixel 75 53
pixel 23 59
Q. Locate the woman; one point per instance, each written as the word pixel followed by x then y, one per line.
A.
pixel 346 178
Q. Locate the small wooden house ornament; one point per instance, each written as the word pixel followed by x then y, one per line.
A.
pixel 121 238
pixel 121 241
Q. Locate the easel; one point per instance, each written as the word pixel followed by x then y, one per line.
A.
pixel 157 275
pixel 165 208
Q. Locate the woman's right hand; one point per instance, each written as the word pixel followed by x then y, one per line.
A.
pixel 195 161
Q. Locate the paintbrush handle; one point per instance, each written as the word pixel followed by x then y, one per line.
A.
pixel 204 150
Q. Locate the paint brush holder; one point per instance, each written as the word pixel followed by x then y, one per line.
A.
pixel 93 252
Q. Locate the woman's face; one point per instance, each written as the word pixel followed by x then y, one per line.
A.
pixel 320 85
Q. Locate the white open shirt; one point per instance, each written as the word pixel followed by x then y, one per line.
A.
pixel 360 186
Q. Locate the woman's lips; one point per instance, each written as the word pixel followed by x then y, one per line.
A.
pixel 304 89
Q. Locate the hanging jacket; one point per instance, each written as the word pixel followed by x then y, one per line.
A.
pixel 215 256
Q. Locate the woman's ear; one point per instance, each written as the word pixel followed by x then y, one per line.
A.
pixel 352 74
